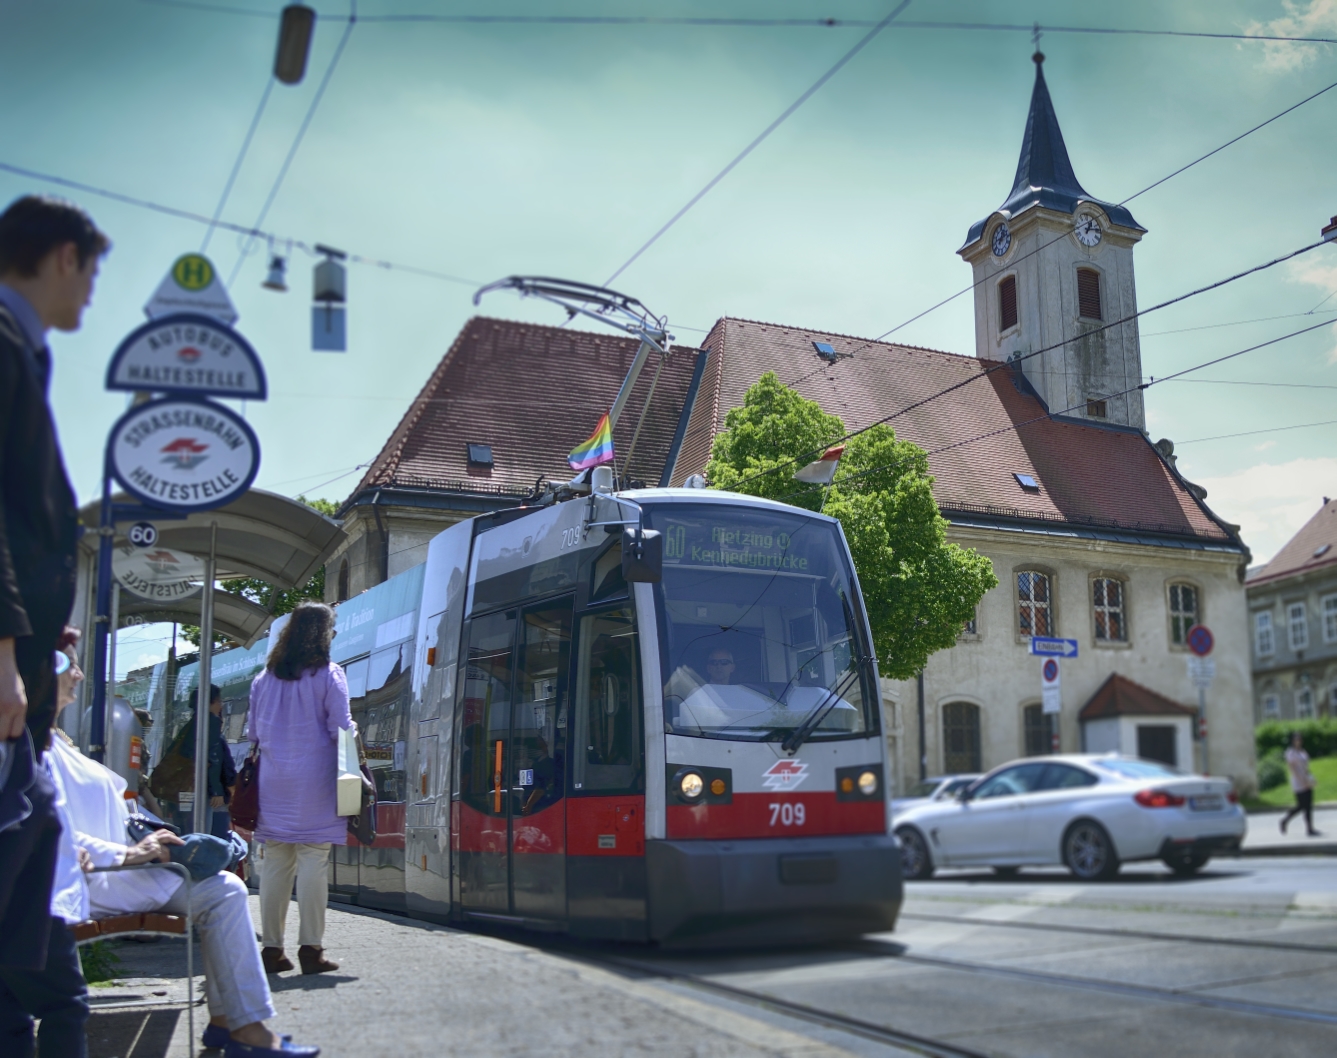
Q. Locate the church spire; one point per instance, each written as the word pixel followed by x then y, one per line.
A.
pixel 1044 163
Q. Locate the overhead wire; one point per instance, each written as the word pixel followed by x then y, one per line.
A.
pixel 725 21
pixel 236 165
pixel 239 229
pixel 301 135
pixel 1252 433
pixel 864 41
pixel 1007 365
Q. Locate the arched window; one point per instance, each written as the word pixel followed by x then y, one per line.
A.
pixel 1007 303
pixel 1034 609
pixel 1183 611
pixel 1039 731
pixel 1107 601
pixel 1088 294
pixel 960 738
pixel 343 580
pixel 1304 704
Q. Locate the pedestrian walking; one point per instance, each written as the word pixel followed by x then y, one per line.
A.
pixel 1302 785
pixel 299 704
pixel 49 254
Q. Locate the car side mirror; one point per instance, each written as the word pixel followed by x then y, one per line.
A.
pixel 642 556
pixel 963 794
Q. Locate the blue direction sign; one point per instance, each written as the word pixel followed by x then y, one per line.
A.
pixel 1049 647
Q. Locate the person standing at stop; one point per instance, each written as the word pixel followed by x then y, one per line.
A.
pixel 49 254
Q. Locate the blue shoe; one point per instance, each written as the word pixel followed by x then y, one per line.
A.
pixel 215 1037
pixel 286 1048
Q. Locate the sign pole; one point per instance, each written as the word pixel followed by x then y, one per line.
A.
pixel 97 735
pixel 1202 725
pixel 203 813
pixel 115 619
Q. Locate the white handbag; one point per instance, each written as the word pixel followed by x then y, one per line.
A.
pixel 348 781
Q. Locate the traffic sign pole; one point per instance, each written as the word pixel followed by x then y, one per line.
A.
pixel 97 734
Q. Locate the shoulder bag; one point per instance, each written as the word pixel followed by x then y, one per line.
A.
pixel 245 806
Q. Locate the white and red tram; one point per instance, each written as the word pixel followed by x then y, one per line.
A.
pixel 692 757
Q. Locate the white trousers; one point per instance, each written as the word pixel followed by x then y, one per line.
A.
pixel 234 979
pixel 281 861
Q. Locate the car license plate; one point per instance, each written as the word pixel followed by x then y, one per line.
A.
pixel 1207 803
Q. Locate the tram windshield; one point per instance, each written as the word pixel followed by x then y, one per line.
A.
pixel 757 623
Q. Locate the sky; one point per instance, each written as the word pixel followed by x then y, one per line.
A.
pixel 484 150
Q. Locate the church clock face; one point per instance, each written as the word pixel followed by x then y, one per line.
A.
pixel 1088 230
pixel 1002 240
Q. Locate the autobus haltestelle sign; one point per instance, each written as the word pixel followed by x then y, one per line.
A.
pixel 187 353
pixel 188 455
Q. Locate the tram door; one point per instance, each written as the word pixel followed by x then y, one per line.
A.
pixel 512 822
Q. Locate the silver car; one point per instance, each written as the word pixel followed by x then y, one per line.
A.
pixel 1089 813
pixel 934 788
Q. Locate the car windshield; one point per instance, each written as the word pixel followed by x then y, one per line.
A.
pixel 923 789
pixel 1137 769
pixel 757 625
pixel 955 785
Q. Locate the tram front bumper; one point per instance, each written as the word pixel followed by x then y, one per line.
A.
pixel 772 890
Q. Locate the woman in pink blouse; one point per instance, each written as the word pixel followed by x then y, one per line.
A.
pixel 298 706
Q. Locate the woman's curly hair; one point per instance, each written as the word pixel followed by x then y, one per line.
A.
pixel 304 643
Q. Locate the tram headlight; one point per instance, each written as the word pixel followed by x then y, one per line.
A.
pixel 868 783
pixel 691 786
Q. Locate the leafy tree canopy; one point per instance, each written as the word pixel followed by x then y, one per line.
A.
pixel 276 600
pixel 918 589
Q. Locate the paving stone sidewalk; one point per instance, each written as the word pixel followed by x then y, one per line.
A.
pixel 1264 837
pixel 406 988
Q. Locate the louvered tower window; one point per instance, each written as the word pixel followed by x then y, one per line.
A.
pixel 1007 303
pixel 1088 294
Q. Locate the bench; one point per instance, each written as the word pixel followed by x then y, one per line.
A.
pixel 153 923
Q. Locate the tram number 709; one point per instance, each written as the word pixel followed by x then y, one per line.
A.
pixel 788 814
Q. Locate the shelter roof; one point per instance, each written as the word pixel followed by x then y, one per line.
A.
pixel 1313 547
pixel 531 393
pixel 980 435
pixel 260 534
pixel 1120 696
pixel 235 617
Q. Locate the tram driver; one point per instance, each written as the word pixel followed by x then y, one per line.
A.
pixel 720 666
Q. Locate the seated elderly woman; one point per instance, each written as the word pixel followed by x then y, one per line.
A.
pixel 94 813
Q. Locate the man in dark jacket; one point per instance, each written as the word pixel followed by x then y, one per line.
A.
pixel 49 253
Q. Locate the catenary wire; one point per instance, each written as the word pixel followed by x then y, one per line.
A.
pixel 1251 433
pixel 240 229
pixel 865 40
pixel 759 23
pixel 1233 323
pixel 1058 345
pixel 236 166
pixel 301 135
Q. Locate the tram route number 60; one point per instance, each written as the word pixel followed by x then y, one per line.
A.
pixel 143 534
pixel 789 814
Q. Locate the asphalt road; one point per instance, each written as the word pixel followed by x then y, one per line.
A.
pixel 1241 960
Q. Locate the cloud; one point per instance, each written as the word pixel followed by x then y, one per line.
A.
pixel 1271 501
pixel 1265 446
pixel 1317 18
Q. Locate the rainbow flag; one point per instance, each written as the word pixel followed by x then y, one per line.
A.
pixel 597 449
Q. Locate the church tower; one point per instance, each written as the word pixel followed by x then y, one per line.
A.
pixel 1052 266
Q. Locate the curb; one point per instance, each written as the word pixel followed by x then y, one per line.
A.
pixel 1323 848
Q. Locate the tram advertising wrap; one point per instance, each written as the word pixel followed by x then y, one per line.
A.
pixel 694 761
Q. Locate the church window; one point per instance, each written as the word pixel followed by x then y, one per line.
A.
pixel 1183 611
pixel 1107 599
pixel 960 738
pixel 1007 303
pixel 1304 704
pixel 1038 731
pixel 1034 613
pixel 1262 633
pixel 1096 409
pixel 1271 706
pixel 1297 625
pixel 1330 619
pixel 1088 294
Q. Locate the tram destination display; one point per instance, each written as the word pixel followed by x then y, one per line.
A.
pixel 728 541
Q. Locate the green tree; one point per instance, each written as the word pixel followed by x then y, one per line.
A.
pixel 277 601
pixel 919 590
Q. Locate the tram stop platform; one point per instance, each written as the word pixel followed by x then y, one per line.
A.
pixel 407 988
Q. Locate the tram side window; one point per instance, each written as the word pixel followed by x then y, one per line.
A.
pixel 606 581
pixel 381 713
pixel 539 720
pixel 607 749
pixel 486 712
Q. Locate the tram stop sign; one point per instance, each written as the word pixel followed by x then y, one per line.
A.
pixel 1200 640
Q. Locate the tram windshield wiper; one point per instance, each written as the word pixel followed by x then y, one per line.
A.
pixel 809 724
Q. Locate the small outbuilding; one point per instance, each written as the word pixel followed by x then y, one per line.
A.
pixel 1125 717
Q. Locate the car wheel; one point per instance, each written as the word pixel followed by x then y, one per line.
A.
pixel 1186 866
pixel 1006 872
pixel 916 862
pixel 1089 853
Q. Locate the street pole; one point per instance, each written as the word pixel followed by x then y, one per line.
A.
pixel 1202 725
pixel 115 619
pixel 923 734
pixel 203 812
pixel 97 735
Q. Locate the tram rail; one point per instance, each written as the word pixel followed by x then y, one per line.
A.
pixel 1131 934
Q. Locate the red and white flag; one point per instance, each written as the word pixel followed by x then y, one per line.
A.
pixel 823 471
